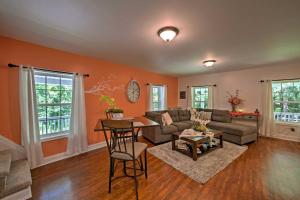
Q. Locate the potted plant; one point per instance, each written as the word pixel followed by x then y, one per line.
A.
pixel 112 105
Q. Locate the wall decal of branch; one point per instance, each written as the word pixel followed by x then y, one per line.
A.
pixel 105 86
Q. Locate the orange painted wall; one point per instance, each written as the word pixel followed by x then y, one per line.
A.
pixel 18 52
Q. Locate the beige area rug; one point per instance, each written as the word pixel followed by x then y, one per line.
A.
pixel 205 167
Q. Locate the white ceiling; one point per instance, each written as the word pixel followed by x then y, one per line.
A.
pixel 237 33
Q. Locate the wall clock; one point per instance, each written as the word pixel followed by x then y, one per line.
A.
pixel 133 91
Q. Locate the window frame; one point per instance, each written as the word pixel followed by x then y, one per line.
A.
pixel 46 104
pixel 193 88
pixel 282 101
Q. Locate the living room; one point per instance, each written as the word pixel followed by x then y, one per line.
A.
pixel 207 93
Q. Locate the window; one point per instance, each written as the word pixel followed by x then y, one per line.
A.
pixel 286 100
pixel 54 94
pixel 200 97
pixel 158 97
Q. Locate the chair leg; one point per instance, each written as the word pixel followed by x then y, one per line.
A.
pixel 135 179
pixel 110 174
pixel 142 165
pixel 146 173
pixel 113 168
pixel 124 167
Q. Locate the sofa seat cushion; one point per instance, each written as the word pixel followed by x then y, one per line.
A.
pixel 182 125
pixel 231 128
pixel 19 178
pixel 184 115
pixel 169 129
pixel 189 122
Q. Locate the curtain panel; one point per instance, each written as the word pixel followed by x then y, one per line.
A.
pixel 267 126
pixel 150 97
pixel 210 97
pixel 29 119
pixel 77 138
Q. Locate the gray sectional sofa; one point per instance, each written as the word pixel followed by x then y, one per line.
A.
pixel 220 120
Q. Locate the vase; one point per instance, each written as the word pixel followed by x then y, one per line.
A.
pixel 233 107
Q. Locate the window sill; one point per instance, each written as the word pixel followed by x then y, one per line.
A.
pixel 55 137
pixel 287 123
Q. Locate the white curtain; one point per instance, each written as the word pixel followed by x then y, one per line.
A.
pixel 29 119
pixel 210 97
pixel 267 125
pixel 189 97
pixel 150 97
pixel 77 139
pixel 163 91
pixel 165 97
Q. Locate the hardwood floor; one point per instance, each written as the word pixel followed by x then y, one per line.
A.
pixel 269 169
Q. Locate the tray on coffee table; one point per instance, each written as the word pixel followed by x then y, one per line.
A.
pixel 194 142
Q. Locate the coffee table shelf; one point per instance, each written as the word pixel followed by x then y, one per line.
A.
pixel 196 141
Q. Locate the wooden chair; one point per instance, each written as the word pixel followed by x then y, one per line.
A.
pixel 111 112
pixel 110 115
pixel 123 147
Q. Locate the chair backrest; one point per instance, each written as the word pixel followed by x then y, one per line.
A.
pixel 121 136
pixel 111 112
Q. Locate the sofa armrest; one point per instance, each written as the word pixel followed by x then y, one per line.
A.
pixel 152 133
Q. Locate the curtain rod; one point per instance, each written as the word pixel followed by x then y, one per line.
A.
pixel 286 79
pixel 214 85
pixel 156 84
pixel 49 70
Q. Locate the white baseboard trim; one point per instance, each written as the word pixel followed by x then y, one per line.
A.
pixel 64 155
pixel 281 138
pixel 96 146
pixel 21 195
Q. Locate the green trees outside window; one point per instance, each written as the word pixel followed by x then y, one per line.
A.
pixel 200 97
pixel 157 97
pixel 286 100
pixel 54 94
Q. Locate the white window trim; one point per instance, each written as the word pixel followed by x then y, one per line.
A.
pixel 284 101
pixel 60 134
pixel 54 137
pixel 193 99
pixel 162 92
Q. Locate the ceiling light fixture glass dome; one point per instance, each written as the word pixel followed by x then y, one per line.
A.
pixel 168 33
pixel 209 63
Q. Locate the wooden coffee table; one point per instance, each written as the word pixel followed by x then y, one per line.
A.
pixel 195 142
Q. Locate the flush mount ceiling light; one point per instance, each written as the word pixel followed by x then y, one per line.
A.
pixel 209 63
pixel 168 33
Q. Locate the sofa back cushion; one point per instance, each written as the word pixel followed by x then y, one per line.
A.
pixel 221 116
pixel 184 115
pixel 174 115
pixel 204 109
pixel 155 116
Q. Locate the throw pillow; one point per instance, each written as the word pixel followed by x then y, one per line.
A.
pixel 193 114
pixel 206 115
pixel 166 118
